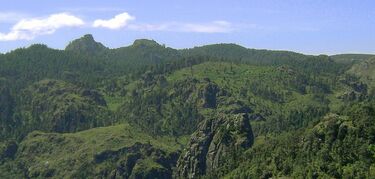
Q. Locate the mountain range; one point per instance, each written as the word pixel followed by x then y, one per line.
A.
pixel 215 111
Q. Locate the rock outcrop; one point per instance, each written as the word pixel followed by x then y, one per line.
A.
pixel 216 140
pixel 208 93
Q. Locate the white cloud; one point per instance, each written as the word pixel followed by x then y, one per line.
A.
pixel 11 16
pixel 211 27
pixel 149 27
pixel 28 29
pixel 124 21
pixel 119 21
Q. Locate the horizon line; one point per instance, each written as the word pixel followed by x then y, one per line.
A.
pixel 196 46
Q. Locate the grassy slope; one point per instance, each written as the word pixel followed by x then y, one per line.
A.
pixel 66 154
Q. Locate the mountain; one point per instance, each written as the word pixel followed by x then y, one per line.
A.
pixel 346 58
pixel 140 55
pixel 144 43
pixel 237 52
pixel 216 111
pixel 86 45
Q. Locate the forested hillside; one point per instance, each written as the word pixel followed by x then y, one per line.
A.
pixel 216 111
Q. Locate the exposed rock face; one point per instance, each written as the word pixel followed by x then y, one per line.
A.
pixel 209 95
pixel 215 141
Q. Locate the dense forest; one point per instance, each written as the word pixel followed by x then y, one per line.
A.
pixel 216 111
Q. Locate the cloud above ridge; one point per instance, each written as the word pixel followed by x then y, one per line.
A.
pixel 124 21
pixel 211 27
pixel 119 21
pixel 28 29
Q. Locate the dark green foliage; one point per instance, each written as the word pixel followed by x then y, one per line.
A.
pixel 87 46
pixel 311 116
pixel 160 107
pixel 8 150
pixel 26 66
pixel 7 105
pixel 244 55
pixel 338 146
pixel 57 106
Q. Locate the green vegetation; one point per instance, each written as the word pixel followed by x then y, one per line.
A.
pixel 96 152
pixel 86 46
pixel 217 111
pixel 52 105
pixel 349 58
pixel 364 71
pixel 338 146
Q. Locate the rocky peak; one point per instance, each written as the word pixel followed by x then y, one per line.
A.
pixel 86 44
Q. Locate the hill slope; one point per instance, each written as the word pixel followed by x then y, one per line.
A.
pixel 148 111
pixel 116 151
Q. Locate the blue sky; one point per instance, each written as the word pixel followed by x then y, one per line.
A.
pixel 307 26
